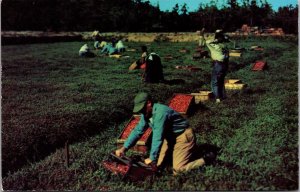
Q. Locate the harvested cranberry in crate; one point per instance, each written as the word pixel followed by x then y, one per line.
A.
pixel 116 168
pixel 259 66
pixel 143 143
pixel 182 103
pixel 128 168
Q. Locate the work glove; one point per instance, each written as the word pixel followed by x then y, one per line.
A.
pixel 148 161
pixel 121 152
pixel 152 164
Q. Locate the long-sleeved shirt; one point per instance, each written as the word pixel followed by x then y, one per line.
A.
pixel 109 49
pixel 218 51
pixel 84 49
pixel 164 122
pixel 119 45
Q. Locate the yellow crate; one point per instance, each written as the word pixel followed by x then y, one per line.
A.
pixel 235 51
pixel 202 96
pixel 235 86
pixel 115 56
pixel 231 81
pixel 132 50
pixel 234 54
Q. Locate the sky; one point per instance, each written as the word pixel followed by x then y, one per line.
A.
pixel 193 5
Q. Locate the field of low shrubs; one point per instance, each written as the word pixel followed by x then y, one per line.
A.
pixel 51 96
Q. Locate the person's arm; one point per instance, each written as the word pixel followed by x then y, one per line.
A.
pixel 136 133
pixel 143 57
pixel 202 38
pixel 134 136
pixel 104 49
pixel 157 134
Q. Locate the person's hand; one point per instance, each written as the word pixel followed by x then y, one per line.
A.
pixel 201 33
pixel 121 152
pixel 148 161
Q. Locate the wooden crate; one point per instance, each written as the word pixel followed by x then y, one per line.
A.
pixel 131 50
pixel 182 103
pixel 115 56
pixel 167 58
pixel 128 168
pixel 142 144
pixel 235 86
pixel 256 48
pixel 199 49
pixel 235 54
pixel 196 56
pixel 183 51
pixel 259 66
pixel 233 81
pixel 200 54
pixel 202 96
pixel 235 51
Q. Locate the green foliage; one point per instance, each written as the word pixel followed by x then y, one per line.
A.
pixel 141 16
pixel 50 95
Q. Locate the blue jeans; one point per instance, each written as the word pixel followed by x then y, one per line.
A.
pixel 217 79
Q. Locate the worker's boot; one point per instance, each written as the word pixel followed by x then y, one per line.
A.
pixel 209 158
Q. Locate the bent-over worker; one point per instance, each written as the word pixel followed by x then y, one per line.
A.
pixel 85 51
pixel 171 136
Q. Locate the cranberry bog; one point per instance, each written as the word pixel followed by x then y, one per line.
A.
pixel 51 97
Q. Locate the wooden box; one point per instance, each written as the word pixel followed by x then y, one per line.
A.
pixel 202 96
pixel 235 86
pixel 196 56
pixel 233 81
pixel 115 56
pixel 132 50
pixel 235 51
pixel 199 49
pixel 142 144
pixel 199 55
pixel 256 48
pixel 235 54
pixel 259 66
pixel 127 168
pixel 183 51
pixel 182 103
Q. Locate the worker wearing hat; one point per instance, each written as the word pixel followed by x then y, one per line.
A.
pixel 171 136
pixel 220 56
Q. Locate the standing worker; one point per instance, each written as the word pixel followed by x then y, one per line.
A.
pixel 171 136
pixel 220 56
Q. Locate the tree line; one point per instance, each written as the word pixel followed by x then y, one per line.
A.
pixel 141 16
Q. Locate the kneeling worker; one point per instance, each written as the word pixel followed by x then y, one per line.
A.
pixel 171 136
pixel 85 51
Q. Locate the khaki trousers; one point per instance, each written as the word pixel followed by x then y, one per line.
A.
pixel 183 149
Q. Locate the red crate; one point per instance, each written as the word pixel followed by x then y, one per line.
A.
pixel 182 103
pixel 141 145
pixel 128 168
pixel 259 66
